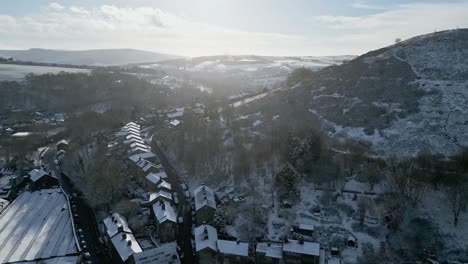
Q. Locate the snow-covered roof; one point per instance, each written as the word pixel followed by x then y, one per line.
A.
pixel 53 260
pixel 233 248
pixel 175 122
pixel 113 222
pixel 256 123
pixel 3 204
pixel 271 250
pixel 139 150
pixel 165 185
pixel 63 141
pixel 21 134
pixel 36 225
pixel 37 174
pixel 204 196
pixel 133 140
pixel 123 239
pixel 126 245
pixel 147 167
pixel 206 236
pixel 166 253
pixel 137 157
pixel 304 248
pixel 139 144
pixel 164 211
pixel 132 124
pixel 155 177
pixel 133 136
pixel 306 227
pixel 177 112
pixel 160 194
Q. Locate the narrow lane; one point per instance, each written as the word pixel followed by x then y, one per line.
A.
pixel 184 208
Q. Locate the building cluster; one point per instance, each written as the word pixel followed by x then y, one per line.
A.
pixel 210 249
pixel 21 121
pixel 156 196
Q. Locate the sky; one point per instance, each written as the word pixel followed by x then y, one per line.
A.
pixel 211 27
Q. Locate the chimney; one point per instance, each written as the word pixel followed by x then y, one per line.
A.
pixel 301 240
pixel 285 239
pixel 129 243
pixel 269 244
pixel 163 205
pixel 120 228
pixel 124 236
pixel 237 241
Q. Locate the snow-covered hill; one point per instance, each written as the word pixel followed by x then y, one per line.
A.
pixel 402 98
pixel 254 71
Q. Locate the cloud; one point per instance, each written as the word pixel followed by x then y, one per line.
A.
pixel 110 26
pixel 56 6
pixel 364 5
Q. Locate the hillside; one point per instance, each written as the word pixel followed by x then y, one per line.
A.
pixel 86 57
pixel 402 98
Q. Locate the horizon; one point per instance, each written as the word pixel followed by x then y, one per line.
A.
pixel 208 28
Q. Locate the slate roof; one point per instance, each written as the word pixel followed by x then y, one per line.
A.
pixel 36 225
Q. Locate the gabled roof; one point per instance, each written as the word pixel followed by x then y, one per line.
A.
pixel 164 211
pixel 126 246
pixel 133 140
pixel 123 240
pixel 155 177
pixel 304 248
pixel 233 248
pixel 137 157
pixel 206 236
pixel 164 254
pixel 112 223
pixel 204 196
pixel 306 227
pixel 160 194
pixel 38 174
pixel 165 185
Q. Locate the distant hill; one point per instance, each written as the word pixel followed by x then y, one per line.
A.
pixel 98 57
pixel 403 98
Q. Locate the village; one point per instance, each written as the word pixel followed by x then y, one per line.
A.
pixel 165 215
pixel 176 221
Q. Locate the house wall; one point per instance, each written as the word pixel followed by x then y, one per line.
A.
pixel 261 258
pixel 232 259
pixel 167 231
pixel 44 183
pixel 207 256
pixel 296 258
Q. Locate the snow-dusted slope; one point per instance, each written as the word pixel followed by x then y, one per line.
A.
pixel 403 98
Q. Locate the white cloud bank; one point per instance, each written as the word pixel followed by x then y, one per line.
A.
pixel 108 26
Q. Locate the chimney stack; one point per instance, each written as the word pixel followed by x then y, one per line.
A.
pixel 124 236
pixel 129 243
pixel 237 241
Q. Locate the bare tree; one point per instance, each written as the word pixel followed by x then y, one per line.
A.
pixel 457 197
pixel 362 210
pixel 405 180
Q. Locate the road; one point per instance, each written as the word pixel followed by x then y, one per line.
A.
pixel 85 219
pixel 184 209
